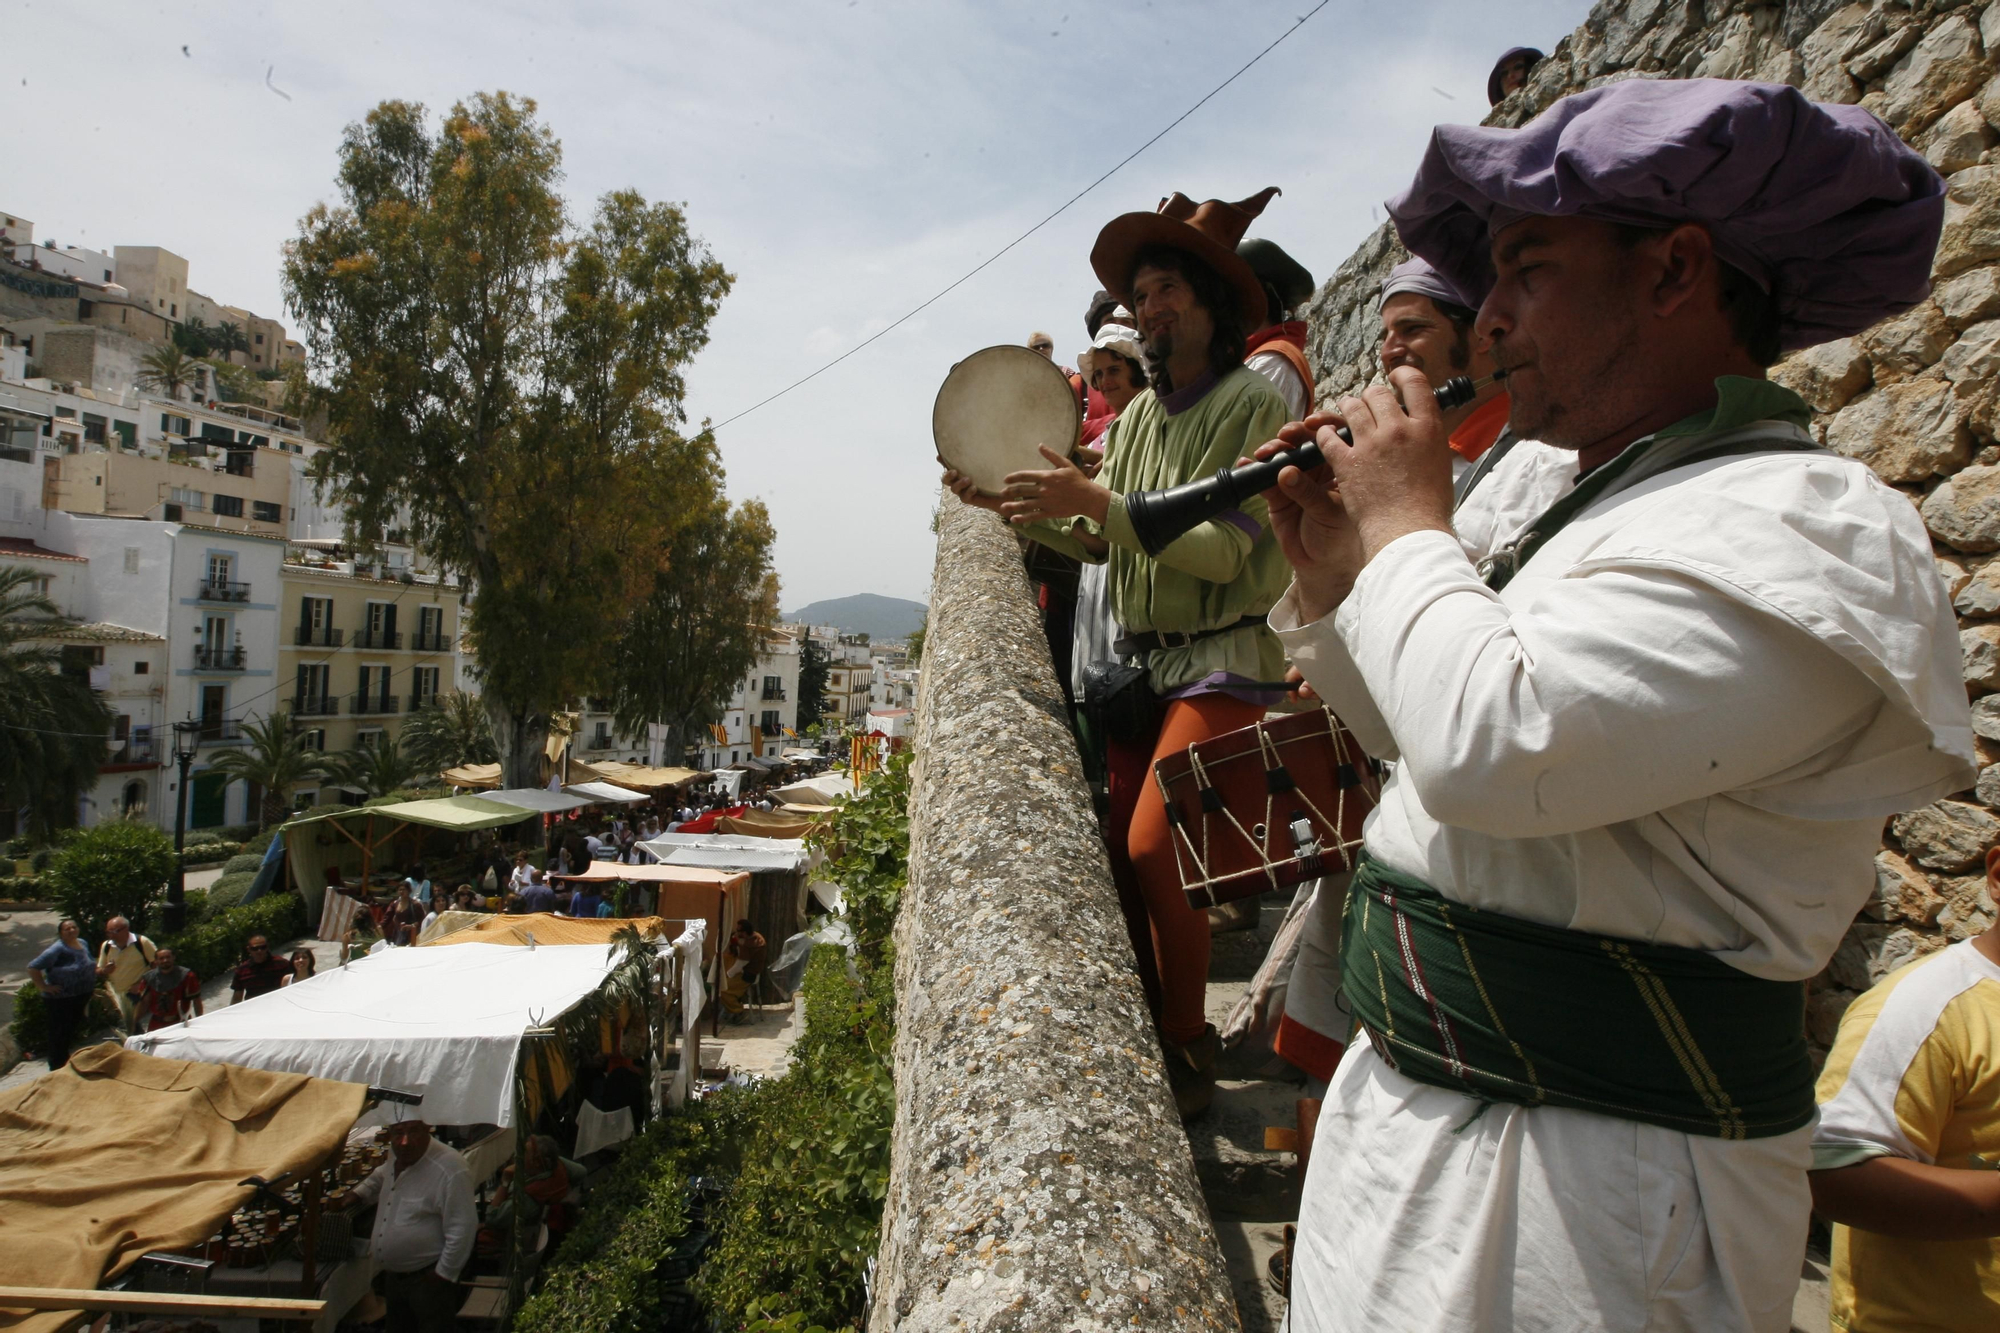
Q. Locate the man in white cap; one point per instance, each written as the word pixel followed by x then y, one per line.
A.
pixel 1643 753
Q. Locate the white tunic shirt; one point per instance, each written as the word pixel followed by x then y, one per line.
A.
pixel 1684 722
pixel 424 1214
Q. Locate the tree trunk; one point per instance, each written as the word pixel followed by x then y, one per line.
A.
pixel 520 738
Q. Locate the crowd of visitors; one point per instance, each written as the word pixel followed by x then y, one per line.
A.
pixel 150 989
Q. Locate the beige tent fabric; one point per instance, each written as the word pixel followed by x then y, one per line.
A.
pixel 120 1153
pixel 765 824
pixel 636 776
pixel 483 777
pixel 548 928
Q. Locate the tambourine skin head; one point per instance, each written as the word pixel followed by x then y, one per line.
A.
pixel 996 408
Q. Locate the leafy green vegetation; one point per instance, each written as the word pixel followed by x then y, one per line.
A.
pixel 112 869
pixel 867 844
pixel 807 1155
pixel 50 722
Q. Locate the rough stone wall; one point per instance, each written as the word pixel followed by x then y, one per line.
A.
pixel 1039 1178
pixel 1917 397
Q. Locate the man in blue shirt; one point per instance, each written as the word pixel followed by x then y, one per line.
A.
pixel 65 976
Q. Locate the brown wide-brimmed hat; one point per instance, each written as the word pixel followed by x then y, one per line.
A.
pixel 1210 231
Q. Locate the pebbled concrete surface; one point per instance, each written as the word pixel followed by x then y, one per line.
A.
pixel 1039 1178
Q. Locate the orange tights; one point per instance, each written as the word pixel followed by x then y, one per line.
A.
pixel 1180 933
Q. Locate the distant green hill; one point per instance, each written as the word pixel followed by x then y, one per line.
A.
pixel 880 618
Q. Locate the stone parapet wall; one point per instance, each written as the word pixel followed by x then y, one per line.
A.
pixel 1917 397
pixel 1039 1179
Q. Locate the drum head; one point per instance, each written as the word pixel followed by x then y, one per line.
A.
pixel 995 407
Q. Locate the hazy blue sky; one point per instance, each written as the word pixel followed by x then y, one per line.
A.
pixel 844 159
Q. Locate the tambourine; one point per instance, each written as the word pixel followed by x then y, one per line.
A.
pixel 996 407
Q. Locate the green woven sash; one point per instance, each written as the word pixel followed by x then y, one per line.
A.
pixel 1508 1011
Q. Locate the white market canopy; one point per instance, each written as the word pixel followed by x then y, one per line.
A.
pixel 446 1023
pixel 537 799
pixel 727 851
pixel 601 792
pixel 822 790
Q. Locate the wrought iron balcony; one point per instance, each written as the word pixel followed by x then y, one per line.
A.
pixel 326 636
pixel 774 694
pixel 208 658
pixel 429 643
pixel 417 701
pixel 219 731
pixel 315 705
pixel 136 750
pixel 224 590
pixel 376 703
pixel 378 639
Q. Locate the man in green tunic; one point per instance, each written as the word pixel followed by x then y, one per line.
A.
pixel 1192 615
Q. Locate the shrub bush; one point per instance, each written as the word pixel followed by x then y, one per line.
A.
pixel 209 853
pixel 24 888
pixel 30 1028
pixel 243 863
pixel 113 869
pixel 867 844
pixel 214 946
pixel 809 1152
pixel 201 838
pixel 41 860
pixel 227 893
pixel 798 1229
pixel 261 843
pixel 811 1156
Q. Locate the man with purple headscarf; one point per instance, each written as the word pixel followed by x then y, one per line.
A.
pixel 1642 750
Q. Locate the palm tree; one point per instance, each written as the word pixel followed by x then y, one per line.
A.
pixel 277 759
pixel 375 770
pixel 450 730
pixel 53 727
pixel 228 337
pixel 168 370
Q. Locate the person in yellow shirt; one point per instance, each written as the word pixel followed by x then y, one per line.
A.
pixel 1906 1158
pixel 122 959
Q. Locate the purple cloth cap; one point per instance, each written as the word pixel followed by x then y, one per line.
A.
pixel 1822 205
pixel 1414 275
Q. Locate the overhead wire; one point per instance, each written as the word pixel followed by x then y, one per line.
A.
pixel 1063 208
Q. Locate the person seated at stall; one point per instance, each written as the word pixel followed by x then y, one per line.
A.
pixel 544 1198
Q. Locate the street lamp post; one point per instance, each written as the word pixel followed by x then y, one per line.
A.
pixel 186 735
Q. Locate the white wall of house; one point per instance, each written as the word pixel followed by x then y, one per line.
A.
pixel 149 575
